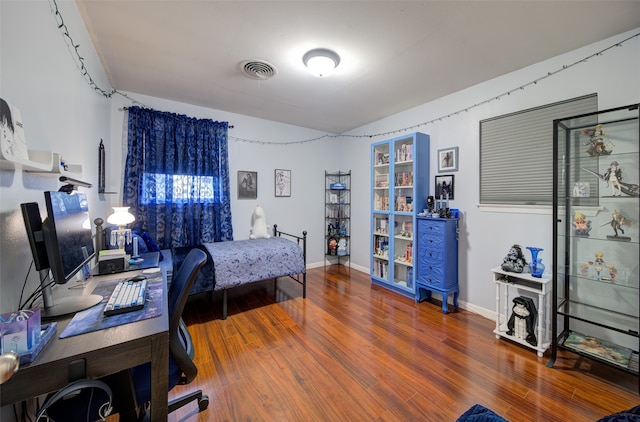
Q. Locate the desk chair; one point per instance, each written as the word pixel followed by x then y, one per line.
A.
pixel 182 370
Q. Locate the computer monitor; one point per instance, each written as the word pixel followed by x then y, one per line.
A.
pixel 61 244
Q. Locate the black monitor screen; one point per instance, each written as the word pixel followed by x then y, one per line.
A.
pixel 67 234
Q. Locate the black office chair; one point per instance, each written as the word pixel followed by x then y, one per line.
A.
pixel 182 370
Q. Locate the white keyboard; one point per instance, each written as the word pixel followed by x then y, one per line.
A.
pixel 128 296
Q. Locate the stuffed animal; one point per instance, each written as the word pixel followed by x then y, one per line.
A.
pixel 259 228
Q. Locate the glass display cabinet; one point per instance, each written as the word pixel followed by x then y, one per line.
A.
pixel 596 239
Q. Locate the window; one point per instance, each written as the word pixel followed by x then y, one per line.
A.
pixel 516 153
pixel 178 188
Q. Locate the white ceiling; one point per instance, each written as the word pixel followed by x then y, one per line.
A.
pixel 394 54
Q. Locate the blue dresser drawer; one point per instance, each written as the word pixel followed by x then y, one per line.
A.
pixel 431 228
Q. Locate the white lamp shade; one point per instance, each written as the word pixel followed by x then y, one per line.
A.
pixel 321 66
pixel 321 62
pixel 121 216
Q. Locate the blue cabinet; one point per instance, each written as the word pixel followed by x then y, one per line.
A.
pixel 437 259
pixel 400 186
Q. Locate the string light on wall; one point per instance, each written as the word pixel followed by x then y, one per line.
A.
pixel 80 60
pixel 332 59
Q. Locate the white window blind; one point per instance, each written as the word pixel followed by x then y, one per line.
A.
pixel 516 152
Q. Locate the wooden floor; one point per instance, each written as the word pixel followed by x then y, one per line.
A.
pixel 356 352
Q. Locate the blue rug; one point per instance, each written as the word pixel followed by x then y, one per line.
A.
pixel 479 413
pixel 92 319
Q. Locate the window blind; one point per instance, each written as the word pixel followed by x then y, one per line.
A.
pixel 516 152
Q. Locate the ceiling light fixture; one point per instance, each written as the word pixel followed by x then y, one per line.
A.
pixel 320 61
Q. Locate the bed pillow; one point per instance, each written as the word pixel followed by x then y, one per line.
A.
pixel 142 246
pixel 151 244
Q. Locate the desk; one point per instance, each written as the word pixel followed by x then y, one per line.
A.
pixel 105 352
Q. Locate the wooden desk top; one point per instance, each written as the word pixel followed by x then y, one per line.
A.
pixel 105 352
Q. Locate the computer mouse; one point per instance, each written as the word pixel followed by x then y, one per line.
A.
pixel 138 278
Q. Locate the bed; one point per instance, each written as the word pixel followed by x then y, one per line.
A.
pixel 238 262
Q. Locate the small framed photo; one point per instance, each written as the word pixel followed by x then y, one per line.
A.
pixel 283 182
pixel 247 184
pixel 581 190
pixel 448 159
pixel 444 187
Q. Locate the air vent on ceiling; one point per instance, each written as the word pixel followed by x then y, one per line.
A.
pixel 258 69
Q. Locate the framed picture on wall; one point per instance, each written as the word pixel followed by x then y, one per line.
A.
pixel 444 187
pixel 247 184
pixel 283 182
pixel 448 159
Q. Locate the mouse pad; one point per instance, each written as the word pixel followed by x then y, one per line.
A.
pixel 92 319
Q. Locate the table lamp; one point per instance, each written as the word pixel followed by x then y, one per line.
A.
pixel 120 217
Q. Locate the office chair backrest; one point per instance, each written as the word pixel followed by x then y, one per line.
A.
pixel 179 338
pixel 181 368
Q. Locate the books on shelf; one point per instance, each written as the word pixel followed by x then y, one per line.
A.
pixel 382 203
pixel 382 225
pixel 404 203
pixel 381 269
pixel 382 180
pixel 404 178
pixel 381 246
pixel 12 138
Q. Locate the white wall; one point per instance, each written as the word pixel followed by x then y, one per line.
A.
pixel 60 112
pixel 486 236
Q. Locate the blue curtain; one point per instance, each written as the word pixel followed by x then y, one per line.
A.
pixel 177 178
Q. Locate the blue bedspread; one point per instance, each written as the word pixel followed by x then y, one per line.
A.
pixel 244 261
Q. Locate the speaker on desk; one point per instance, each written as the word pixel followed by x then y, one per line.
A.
pixel 82 400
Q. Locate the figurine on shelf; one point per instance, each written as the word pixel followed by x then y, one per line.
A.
pixel 613 272
pixel 581 226
pixel 332 246
pixel 598 264
pixel 613 176
pixel 583 269
pixel 599 258
pixel 522 322
pixel 343 230
pixel 333 229
pixel 596 144
pixel 623 187
pixel 342 246
pixel 514 261
pixel 431 203
pixel 617 221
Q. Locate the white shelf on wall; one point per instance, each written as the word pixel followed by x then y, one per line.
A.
pixel 59 166
pixel 41 161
